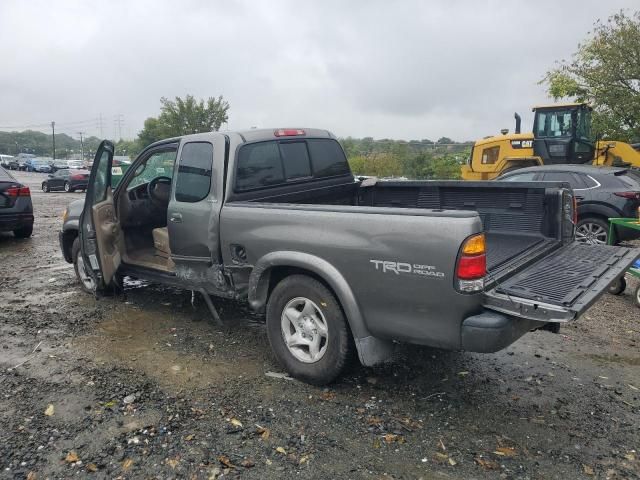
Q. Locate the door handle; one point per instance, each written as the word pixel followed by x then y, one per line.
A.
pixel 176 217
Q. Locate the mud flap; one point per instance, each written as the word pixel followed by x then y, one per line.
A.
pixel 562 285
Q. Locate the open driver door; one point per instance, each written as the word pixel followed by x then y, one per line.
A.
pixel 99 228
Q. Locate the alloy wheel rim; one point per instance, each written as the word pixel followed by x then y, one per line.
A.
pixel 304 330
pixel 591 233
pixel 85 278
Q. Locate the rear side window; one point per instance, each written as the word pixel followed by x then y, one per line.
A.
pixel 575 181
pixel 327 158
pixel 259 165
pixel 274 163
pixel 521 177
pixel 194 172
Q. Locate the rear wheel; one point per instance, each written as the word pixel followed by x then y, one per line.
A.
pixel 24 232
pixel 307 330
pixel 636 297
pixel 592 230
pixel 67 187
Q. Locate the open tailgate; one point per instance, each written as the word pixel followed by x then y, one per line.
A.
pixel 562 285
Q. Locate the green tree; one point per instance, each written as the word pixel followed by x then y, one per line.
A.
pixel 183 117
pixel 605 72
pixel 130 148
pixel 446 167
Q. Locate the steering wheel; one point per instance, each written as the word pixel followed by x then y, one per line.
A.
pixel 159 189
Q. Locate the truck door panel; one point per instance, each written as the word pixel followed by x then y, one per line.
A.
pixel 193 215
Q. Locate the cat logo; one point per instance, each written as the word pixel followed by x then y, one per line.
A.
pixel 521 143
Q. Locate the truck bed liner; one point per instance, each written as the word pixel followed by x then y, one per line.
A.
pixel 563 276
pixel 502 247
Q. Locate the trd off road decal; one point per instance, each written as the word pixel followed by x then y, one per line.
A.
pixel 398 268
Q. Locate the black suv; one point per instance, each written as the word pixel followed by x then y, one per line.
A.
pixel 601 193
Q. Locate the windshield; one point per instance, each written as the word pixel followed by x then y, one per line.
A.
pixel 159 164
pixel 554 123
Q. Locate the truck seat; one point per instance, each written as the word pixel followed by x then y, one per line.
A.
pixel 161 240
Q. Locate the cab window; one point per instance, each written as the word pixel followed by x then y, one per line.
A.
pixel 554 124
pixel 274 162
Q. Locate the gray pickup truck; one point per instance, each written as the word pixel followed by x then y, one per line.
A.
pixel 276 217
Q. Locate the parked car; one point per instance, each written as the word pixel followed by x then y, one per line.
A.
pixel 16 209
pixel 601 193
pixel 75 164
pixel 37 165
pixel 276 217
pixel 9 162
pixel 59 165
pixel 6 161
pixel 67 180
pixel 67 164
pixel 22 164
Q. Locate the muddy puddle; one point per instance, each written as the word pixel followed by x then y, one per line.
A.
pixel 161 344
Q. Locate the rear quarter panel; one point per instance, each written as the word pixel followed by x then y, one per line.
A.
pixel 397 299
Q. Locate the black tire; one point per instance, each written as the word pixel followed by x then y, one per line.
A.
pixel 618 286
pixel 636 297
pixel 67 187
pixel 596 226
pixel 24 232
pixel 338 342
pixel 45 187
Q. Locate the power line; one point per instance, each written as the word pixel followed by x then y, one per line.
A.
pixel 118 120
pixel 48 124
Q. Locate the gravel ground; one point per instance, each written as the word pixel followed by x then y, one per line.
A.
pixel 143 385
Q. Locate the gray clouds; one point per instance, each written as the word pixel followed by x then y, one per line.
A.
pixel 385 69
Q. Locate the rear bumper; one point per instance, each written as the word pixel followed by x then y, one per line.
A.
pixel 9 222
pixel 491 331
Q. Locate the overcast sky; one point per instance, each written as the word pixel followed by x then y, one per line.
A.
pixel 395 69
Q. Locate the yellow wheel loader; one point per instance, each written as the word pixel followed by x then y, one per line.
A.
pixel 561 134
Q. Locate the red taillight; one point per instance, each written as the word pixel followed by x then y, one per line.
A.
pixel 472 264
pixel 289 132
pixel 18 192
pixel 78 176
pixel 629 195
pixel 472 267
pixel 575 210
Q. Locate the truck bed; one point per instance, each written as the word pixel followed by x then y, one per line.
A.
pixel 515 219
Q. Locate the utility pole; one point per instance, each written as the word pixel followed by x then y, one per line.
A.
pixel 53 127
pixel 81 145
pixel 118 120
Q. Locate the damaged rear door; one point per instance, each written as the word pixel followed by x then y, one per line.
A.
pixel 563 284
pixel 100 234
